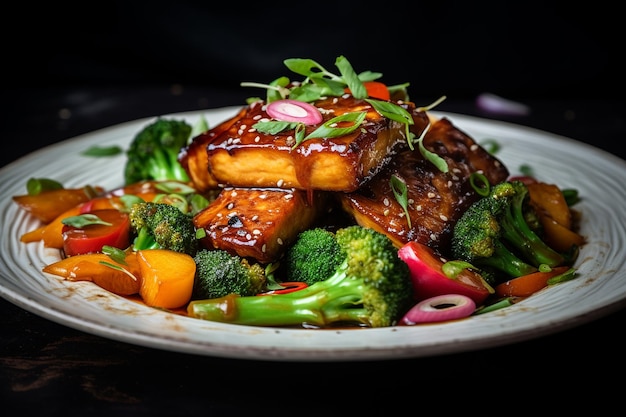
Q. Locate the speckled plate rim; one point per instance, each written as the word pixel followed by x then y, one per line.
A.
pixel 599 290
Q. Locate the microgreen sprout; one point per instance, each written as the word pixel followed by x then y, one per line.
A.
pixel 119 256
pixel 432 105
pixel 435 159
pixel 399 188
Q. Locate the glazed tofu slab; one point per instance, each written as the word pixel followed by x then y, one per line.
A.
pixel 436 199
pixel 238 155
pixel 259 223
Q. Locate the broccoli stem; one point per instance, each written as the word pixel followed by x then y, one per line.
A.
pixel 166 165
pixel 335 300
pixel 516 231
pixel 144 240
pixel 504 260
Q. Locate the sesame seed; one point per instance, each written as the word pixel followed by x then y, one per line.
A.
pixel 473 147
pixel 386 212
pixel 418 208
pixel 257 117
pixel 255 218
pixel 288 196
pixel 280 241
pixel 386 202
pixel 264 248
pixel 263 196
pixel 257 139
pixel 449 184
pixel 248 236
pixel 230 206
pixel 256 232
pixel 443 217
pixel 233 193
pixel 433 237
pixel 280 183
pixel 431 195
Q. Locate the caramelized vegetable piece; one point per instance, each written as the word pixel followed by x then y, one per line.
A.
pixel 96 268
pixel 429 280
pixel 555 216
pixel 91 238
pixel 48 205
pixel 167 277
pixel 53 232
pixel 527 285
pixel 558 237
pixel 548 199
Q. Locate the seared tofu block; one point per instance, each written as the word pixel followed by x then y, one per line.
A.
pixel 240 156
pixel 436 199
pixel 259 223
pixel 194 159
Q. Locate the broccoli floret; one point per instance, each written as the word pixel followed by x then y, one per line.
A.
pixel 494 233
pixel 313 257
pixel 163 226
pixel 219 273
pixel 153 152
pixel 370 288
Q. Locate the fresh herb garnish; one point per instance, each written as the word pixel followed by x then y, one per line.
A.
pixel 400 191
pixel 83 220
pixel 99 151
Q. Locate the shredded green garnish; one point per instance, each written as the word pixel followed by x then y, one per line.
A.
pixel 480 183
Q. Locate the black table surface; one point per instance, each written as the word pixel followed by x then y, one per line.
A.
pixel 50 369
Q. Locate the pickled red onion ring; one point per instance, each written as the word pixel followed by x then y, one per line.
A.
pixel 294 111
pixel 439 308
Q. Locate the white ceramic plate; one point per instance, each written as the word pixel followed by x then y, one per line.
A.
pixel 599 290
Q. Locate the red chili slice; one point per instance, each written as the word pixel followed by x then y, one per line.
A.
pixel 290 286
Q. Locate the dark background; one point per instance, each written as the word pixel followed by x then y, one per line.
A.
pixel 73 67
pixel 76 66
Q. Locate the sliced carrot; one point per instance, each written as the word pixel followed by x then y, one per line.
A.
pixel 167 277
pixel 527 285
pixel 96 267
